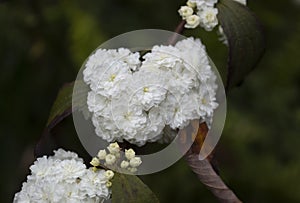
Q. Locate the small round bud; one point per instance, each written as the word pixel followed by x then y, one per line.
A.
pixel 114 148
pixel 124 164
pixel 108 184
pixel 101 154
pixel 132 170
pixel 109 174
pixel 95 162
pixel 191 4
pixel 129 154
pixel 94 169
pixel 135 162
pixel 110 159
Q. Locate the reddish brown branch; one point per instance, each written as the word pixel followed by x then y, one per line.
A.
pixel 179 29
pixel 207 175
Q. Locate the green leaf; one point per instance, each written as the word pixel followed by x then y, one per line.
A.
pixel 129 188
pixel 245 37
pixel 61 108
pixel 62 105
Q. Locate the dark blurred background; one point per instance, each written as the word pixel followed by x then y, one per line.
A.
pixel 44 43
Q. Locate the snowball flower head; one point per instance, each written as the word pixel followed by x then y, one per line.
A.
pixel 63 178
pixel 136 101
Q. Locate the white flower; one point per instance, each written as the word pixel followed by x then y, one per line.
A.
pixel 135 162
pixel 101 154
pixel 149 88
pixel 192 21
pixel 109 174
pixel 185 11
pixel 136 101
pixel 41 168
pixel 203 3
pixel 110 159
pixel 62 178
pixel 130 119
pixel 62 155
pixel 179 111
pixel 95 162
pixel 124 164
pixel 93 184
pixel 114 148
pixel 208 18
pixel 161 57
pixel 129 153
pixel 70 170
pixel 107 81
pixel 98 104
pixel 207 99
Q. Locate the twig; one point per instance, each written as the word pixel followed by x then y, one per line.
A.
pixel 207 175
pixel 178 30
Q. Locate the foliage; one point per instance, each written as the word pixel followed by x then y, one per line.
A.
pixel 258 151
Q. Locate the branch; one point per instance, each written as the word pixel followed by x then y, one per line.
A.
pixel 178 30
pixel 204 169
pixel 207 175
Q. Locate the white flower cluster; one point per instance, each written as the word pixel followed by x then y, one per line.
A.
pixel 201 13
pixel 63 178
pixel 112 158
pixel 134 100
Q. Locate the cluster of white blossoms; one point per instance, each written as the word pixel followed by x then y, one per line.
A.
pixel 200 13
pixel 112 158
pixel 203 13
pixel 64 178
pixel 135 97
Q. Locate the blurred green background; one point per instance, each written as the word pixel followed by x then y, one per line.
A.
pixel 44 43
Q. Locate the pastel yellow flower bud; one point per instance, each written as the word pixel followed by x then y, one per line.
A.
pixel 114 148
pixel 191 4
pixel 110 159
pixel 94 169
pixel 185 11
pixel 124 164
pixel 101 154
pixel 108 184
pixel 135 162
pixel 109 174
pixel 129 154
pixel 192 21
pixel 95 162
pixel 132 170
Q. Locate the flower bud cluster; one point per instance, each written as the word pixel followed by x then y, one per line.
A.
pixel 112 158
pixel 203 13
